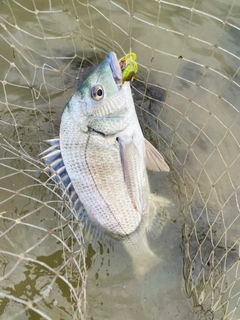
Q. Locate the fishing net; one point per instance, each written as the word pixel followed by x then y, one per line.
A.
pixel 186 97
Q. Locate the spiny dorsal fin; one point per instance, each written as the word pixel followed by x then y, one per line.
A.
pixel 154 160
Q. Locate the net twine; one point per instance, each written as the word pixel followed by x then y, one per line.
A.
pixel 187 103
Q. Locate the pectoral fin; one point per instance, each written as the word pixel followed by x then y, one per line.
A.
pixel 133 167
pixel 154 160
pixel 124 153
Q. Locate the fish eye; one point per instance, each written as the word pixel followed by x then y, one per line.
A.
pixel 97 92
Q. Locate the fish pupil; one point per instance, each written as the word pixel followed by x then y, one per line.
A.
pixel 99 92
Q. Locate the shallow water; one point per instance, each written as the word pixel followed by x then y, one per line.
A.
pixel 187 107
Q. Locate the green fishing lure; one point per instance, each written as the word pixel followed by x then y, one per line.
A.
pixel 128 66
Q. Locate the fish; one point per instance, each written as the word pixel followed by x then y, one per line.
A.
pixel 101 156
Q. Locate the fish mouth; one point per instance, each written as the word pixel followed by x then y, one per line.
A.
pixel 115 67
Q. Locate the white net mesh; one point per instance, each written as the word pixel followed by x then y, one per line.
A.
pixel 187 102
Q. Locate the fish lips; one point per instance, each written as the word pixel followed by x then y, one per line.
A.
pixel 115 67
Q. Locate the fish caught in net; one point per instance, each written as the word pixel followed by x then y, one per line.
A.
pixel 53 265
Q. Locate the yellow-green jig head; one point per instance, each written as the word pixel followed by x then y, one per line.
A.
pixel 128 66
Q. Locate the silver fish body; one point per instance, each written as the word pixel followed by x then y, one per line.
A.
pixel 104 152
pixel 102 147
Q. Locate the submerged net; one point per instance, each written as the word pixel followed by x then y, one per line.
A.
pixel 186 96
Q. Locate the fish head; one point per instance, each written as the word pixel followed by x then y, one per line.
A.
pixel 101 103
